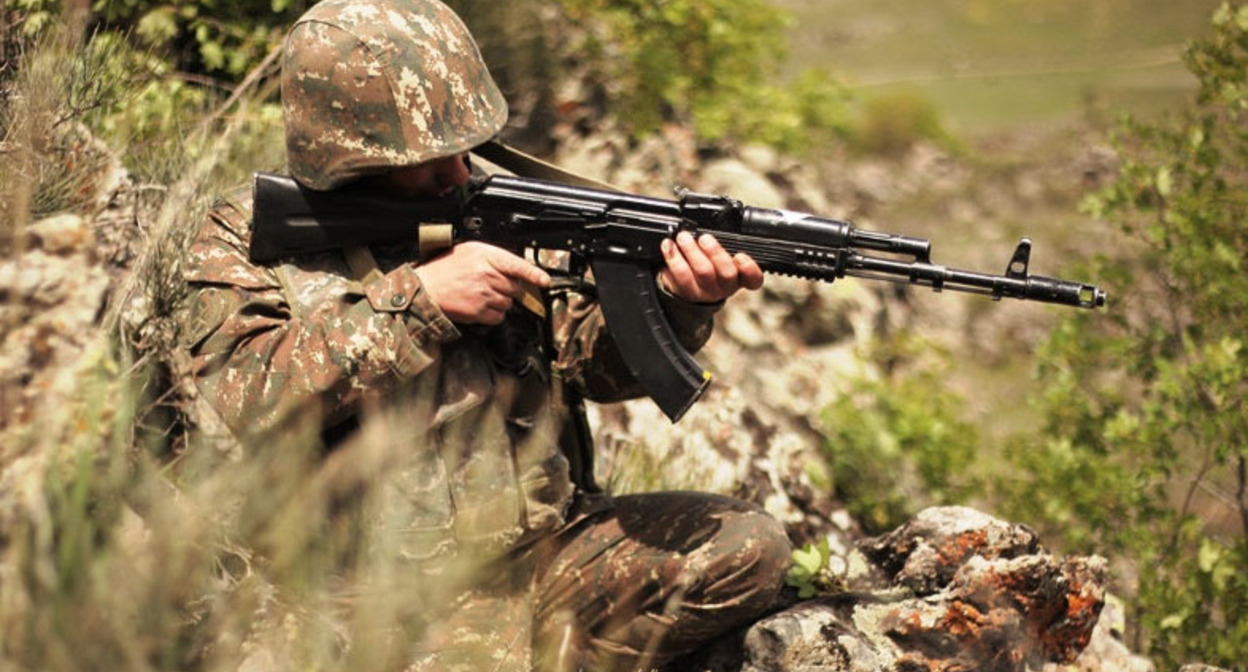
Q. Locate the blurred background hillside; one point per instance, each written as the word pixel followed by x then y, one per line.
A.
pixel 993 66
pixel 1110 131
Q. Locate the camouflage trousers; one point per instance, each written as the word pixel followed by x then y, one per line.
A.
pixel 630 583
pixel 648 578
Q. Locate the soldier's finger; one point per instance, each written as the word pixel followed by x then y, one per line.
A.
pixel 496 302
pixel 749 273
pixel 696 259
pixel 517 268
pixel 504 286
pixel 677 274
pixel 491 317
pixel 725 268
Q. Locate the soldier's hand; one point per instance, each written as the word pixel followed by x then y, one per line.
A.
pixel 701 270
pixel 475 283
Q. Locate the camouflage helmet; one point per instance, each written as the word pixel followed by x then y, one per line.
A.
pixel 369 85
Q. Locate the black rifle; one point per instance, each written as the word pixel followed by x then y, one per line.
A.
pixel 617 236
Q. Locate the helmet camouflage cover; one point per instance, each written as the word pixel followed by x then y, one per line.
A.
pixel 369 85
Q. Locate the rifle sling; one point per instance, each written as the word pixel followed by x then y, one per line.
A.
pixel 576 439
pixel 364 268
pixel 527 165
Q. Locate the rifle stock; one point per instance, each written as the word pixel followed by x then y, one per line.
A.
pixel 289 220
pixel 617 235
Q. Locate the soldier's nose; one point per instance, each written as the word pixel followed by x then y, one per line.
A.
pixel 452 172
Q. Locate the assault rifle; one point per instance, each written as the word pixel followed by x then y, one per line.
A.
pixel 617 235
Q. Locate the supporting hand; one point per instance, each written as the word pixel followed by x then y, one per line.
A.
pixel 702 271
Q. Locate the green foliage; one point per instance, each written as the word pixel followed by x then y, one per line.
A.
pixel 190 55
pixel 715 61
pixel 1197 604
pixel 813 572
pixel 140 88
pixel 892 124
pixel 899 444
pixel 150 117
pixel 1144 452
pixel 795 118
pixel 218 38
pixel 33 16
pixel 221 38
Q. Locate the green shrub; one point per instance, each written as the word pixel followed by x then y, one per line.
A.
pixel 1144 453
pixel 191 55
pixel 715 62
pixel 893 123
pixel 898 444
pixel 797 118
pixel 217 38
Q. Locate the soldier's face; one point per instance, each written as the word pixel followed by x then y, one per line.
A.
pixel 429 179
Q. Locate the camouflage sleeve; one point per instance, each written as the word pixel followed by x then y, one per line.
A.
pixel 255 354
pixel 588 358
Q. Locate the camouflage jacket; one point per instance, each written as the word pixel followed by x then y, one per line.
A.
pixel 486 455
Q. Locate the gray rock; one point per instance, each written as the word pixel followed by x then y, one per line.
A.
pixel 924 554
pixel 61 234
pixel 815 636
pixel 961 591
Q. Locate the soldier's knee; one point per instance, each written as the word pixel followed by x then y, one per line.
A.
pixel 769 550
pixel 754 555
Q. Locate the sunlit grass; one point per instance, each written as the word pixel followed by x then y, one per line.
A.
pixel 122 544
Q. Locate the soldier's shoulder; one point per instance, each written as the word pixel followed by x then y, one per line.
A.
pixel 218 251
pixel 232 210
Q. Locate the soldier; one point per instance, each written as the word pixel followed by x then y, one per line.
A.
pixel 393 95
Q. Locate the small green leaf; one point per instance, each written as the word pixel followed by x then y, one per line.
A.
pixel 1209 556
pixel 808 559
pixel 1164 181
pixel 1222 14
pixel 797 574
pixel 1197 137
pixel 158 26
pixel 1172 622
pixel 213 55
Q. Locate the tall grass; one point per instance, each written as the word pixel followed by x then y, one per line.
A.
pixel 124 545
